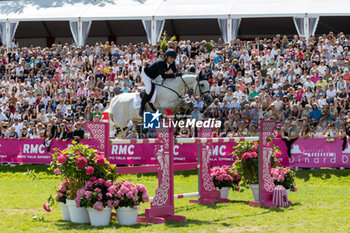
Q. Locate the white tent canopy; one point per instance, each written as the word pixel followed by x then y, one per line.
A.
pixel 48 10
pixel 122 10
pixel 154 12
pixel 43 10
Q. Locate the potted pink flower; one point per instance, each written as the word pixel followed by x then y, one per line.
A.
pixel 98 196
pixel 225 178
pixel 247 163
pixel 285 177
pixel 61 198
pixel 129 196
pixel 79 164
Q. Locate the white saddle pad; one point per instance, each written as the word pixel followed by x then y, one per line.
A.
pixel 137 102
pixel 137 99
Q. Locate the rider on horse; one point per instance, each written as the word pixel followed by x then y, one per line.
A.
pixel 165 68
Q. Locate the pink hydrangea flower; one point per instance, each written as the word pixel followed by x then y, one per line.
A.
pixel 57 171
pixel 62 159
pixel 277 154
pixel 93 179
pixel 97 190
pixel 88 195
pixel 112 189
pixel 100 160
pixel 88 184
pixel 77 202
pixel 108 183
pixel 89 171
pixel 110 203
pixel 98 206
pixel 110 195
pixel 81 162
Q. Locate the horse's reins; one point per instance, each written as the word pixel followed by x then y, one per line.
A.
pixel 186 86
pixel 161 85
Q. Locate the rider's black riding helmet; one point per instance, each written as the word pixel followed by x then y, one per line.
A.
pixel 170 53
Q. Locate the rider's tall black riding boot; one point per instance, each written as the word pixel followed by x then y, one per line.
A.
pixel 145 98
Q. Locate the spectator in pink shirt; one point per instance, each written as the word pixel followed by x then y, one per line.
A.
pixel 299 93
pixel 314 77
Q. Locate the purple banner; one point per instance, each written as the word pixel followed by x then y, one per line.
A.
pixel 315 153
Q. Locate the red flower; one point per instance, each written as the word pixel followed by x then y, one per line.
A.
pixel 81 162
pixel 62 159
pixel 90 171
pixel 100 160
pixel 46 207
pixel 277 154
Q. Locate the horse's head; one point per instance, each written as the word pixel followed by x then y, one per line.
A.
pixel 202 89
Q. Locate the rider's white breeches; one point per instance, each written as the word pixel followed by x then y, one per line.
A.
pixel 148 86
pixel 147 81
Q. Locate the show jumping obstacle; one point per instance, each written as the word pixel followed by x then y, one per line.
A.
pixel 162 205
pixel 209 195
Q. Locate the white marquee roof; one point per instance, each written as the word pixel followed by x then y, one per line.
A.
pixel 49 10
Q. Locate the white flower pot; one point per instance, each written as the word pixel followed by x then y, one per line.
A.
pixel 65 211
pixel 288 191
pixel 127 215
pixel 255 190
pixel 224 192
pixel 99 218
pixel 77 214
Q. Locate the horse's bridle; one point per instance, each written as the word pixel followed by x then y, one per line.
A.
pixel 189 90
pixel 201 93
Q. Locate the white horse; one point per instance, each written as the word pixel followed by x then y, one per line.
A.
pixel 121 109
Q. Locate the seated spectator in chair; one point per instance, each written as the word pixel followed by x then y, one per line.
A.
pixel 24 134
pixel 330 132
pixel 184 133
pixel 68 134
pixel 151 133
pixel 50 133
pixel 13 134
pixel 78 132
pixel 96 112
pixel 133 134
pixel 61 131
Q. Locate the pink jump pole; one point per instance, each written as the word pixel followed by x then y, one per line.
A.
pixel 266 184
pixel 208 194
pixel 162 207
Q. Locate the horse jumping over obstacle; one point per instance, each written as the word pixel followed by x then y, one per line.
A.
pixel 162 205
pixel 170 95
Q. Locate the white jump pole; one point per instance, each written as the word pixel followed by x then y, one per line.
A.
pixel 178 196
pixel 214 140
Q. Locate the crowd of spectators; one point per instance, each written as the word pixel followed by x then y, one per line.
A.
pixel 302 84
